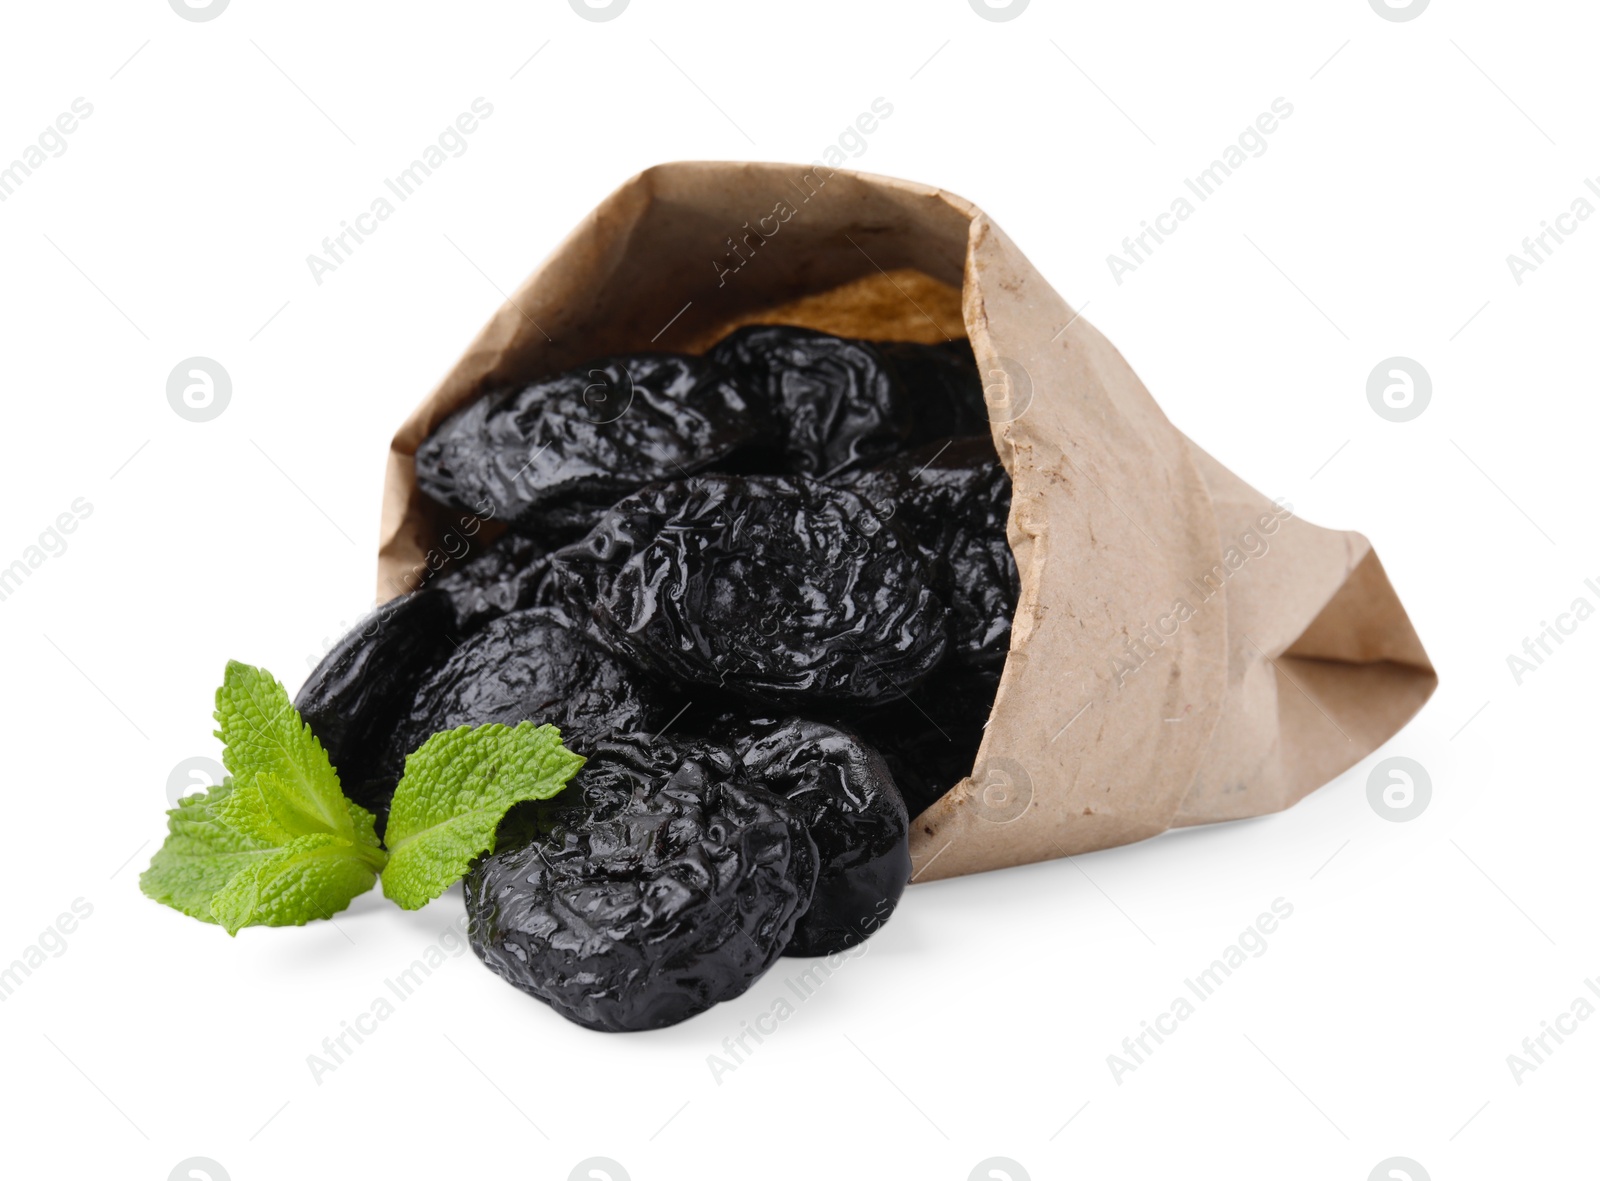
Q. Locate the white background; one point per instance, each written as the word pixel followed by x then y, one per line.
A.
pixel 1419 954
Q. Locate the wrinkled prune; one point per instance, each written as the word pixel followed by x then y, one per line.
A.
pixel 853 811
pixel 547 457
pixel 534 666
pixel 669 884
pixel 953 497
pixel 837 402
pixel 943 385
pixel 777 588
pixel 357 696
pixel 506 577
pixel 930 739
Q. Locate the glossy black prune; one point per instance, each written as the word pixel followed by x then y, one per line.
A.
pixel 776 588
pixel 943 385
pixel 930 739
pixel 532 665
pixel 837 402
pixel 507 576
pixel 357 696
pixel 668 883
pixel 953 498
pixel 547 457
pixel 853 811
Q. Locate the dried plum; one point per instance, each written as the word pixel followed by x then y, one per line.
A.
pixel 669 883
pixel 547 457
pixel 506 577
pixel 356 697
pixel 953 498
pixel 943 385
pixel 838 403
pixel 853 811
pixel 535 666
pixel 930 739
pixel 777 588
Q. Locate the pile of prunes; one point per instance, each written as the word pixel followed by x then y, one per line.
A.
pixel 766 592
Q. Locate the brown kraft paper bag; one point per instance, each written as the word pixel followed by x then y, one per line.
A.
pixel 1184 650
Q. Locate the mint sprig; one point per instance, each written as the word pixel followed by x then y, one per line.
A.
pixel 277 843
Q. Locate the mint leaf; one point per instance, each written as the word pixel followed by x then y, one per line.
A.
pixel 311 877
pixel 262 809
pixel 278 843
pixel 262 733
pixel 456 787
pixel 257 809
pixel 200 856
pixel 365 825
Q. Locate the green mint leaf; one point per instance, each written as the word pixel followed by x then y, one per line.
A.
pixel 261 809
pixel 278 843
pixel 262 734
pixel 455 790
pixel 258 808
pixel 365 825
pixel 200 855
pixel 311 877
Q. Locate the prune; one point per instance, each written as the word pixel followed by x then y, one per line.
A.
pixel 930 739
pixel 853 811
pixel 669 883
pixel 506 577
pixel 357 696
pixel 535 666
pixel 547 457
pixel 953 497
pixel 838 403
pixel 943 385
pixel 777 588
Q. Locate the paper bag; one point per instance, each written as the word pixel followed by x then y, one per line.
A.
pixel 1184 649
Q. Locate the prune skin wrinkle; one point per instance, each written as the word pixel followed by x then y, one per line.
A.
pixel 661 881
pixel 362 689
pixel 780 589
pixel 548 456
pixel 838 404
pixel 533 665
pixel 505 577
pixel 844 792
pixel 953 497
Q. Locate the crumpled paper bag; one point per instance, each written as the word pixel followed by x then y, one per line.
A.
pixel 1184 649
